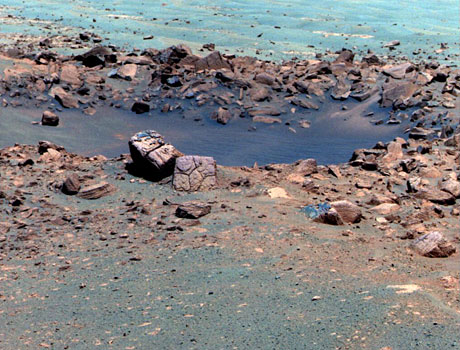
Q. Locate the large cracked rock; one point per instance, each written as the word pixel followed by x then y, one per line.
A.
pixel 195 173
pixel 152 156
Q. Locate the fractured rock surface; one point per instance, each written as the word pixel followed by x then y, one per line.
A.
pixel 195 173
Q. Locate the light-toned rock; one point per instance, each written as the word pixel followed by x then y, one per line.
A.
pixel 266 120
pixel 386 208
pixel 70 75
pixel 394 152
pixel 349 212
pixel 127 71
pixel 278 192
pixel 433 245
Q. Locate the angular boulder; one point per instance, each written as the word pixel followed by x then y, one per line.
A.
pixel 127 72
pixel 63 97
pixel 437 196
pixel 151 155
pixel 394 91
pixel 140 107
pixel 331 217
pixel 71 185
pixel 433 245
pixel 195 173
pixel 348 211
pixel 50 119
pixel 213 61
pixel 306 166
pixel 192 210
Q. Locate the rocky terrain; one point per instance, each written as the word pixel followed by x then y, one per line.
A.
pixel 165 249
pixel 226 87
pixel 93 253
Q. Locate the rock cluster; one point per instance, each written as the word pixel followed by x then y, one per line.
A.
pixel 424 93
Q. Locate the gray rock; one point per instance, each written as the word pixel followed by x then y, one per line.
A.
pixel 304 103
pixel 194 173
pixel 399 71
pixel 341 90
pixel 397 91
pixel 151 155
pixel 264 78
pixel 259 94
pixel 419 133
pixel 392 43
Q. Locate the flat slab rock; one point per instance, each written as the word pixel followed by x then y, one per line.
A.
pixel 97 191
pixel 195 173
pixel 433 245
pixel 193 210
pixel 152 155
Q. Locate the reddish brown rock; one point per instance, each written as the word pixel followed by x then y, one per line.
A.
pixel 64 98
pixel 306 167
pixel 193 210
pixel 349 212
pixel 213 61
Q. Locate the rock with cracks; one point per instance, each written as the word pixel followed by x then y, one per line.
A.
pixel 152 156
pixel 195 173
